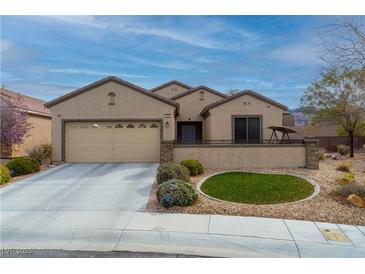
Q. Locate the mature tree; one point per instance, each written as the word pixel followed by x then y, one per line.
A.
pixel 359 130
pixel 15 124
pixel 343 43
pixel 338 99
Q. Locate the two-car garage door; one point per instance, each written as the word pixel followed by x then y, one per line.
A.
pixel 112 141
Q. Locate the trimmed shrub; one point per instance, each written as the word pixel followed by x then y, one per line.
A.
pixel 344 167
pixel 180 193
pixel 169 171
pixel 41 153
pixel 22 166
pixel 343 150
pixel 352 188
pixel 194 166
pixel 4 175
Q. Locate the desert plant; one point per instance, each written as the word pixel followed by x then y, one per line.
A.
pixel 321 156
pixel 344 167
pixel 37 154
pixel 180 193
pixel 352 188
pixel 47 151
pixel 350 176
pixel 169 171
pixel 194 166
pixel 343 150
pixel 22 166
pixel 343 181
pixel 4 175
pixel 41 153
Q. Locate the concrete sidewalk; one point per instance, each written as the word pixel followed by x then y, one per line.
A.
pixel 202 235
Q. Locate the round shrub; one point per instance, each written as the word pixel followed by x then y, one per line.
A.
pixel 194 166
pixel 181 193
pixel 22 166
pixel 4 175
pixel 169 171
pixel 351 188
pixel 343 150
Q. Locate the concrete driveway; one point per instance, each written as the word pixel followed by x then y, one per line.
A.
pixel 83 186
pixel 73 195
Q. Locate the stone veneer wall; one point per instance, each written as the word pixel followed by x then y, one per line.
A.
pixel 166 151
pixel 311 153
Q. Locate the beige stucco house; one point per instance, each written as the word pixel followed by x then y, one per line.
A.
pixel 113 120
pixel 41 121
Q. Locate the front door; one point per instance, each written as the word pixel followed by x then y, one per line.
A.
pixel 247 129
pixel 188 133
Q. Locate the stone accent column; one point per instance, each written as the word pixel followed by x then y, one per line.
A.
pixel 6 151
pixel 166 151
pixel 311 153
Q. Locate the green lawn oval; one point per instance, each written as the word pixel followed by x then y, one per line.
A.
pixel 254 188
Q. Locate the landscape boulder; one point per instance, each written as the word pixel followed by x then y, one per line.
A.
pixel 356 200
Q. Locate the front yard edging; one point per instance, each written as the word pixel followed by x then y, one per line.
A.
pixel 316 191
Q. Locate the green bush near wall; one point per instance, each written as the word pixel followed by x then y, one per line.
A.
pixel 194 166
pixel 22 166
pixel 169 171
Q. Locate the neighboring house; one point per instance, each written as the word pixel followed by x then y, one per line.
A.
pixel 295 118
pixel 288 119
pixel 40 119
pixel 313 132
pixel 113 120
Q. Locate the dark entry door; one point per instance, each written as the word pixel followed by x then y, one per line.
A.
pixel 188 133
pixel 247 129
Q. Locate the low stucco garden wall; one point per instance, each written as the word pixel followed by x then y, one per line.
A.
pixel 242 156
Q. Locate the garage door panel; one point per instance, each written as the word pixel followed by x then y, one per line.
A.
pixel 112 142
pixel 141 153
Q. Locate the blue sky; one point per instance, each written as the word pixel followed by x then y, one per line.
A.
pixel 277 56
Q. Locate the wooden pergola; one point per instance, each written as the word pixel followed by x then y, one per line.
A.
pixel 274 139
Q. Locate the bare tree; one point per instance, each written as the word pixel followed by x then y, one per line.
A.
pixel 343 43
pixel 232 91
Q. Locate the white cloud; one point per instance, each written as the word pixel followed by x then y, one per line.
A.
pixel 173 34
pixel 95 72
pixel 178 65
pixel 197 32
pixel 12 56
pixel 87 21
pixel 4 46
pixel 304 53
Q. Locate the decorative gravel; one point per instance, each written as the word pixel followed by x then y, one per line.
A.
pixel 324 207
